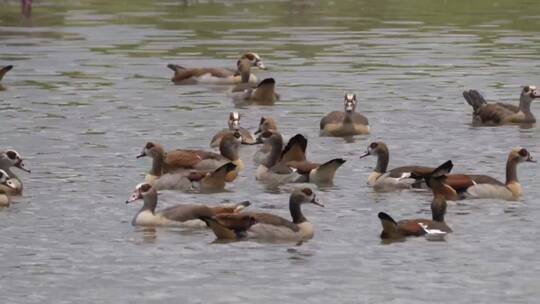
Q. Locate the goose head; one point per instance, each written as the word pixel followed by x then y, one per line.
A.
pixel 141 190
pixel 5 180
pixel 234 121
pixel 151 149
pixel 521 155
pixel 14 159
pixel 375 148
pixel 305 196
pixel 350 102
pixel 254 59
pixel 529 93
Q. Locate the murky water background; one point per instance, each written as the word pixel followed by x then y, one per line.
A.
pixel 90 87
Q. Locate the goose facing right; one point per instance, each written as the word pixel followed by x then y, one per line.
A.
pixel 9 159
pixel 266 226
pixel 186 215
pixel 496 114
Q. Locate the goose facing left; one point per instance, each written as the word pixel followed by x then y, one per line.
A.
pixel 267 226
pixel 186 215
pixel 8 160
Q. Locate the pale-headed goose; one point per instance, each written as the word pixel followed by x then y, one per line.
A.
pixel 6 182
pixel 183 75
pixel 266 226
pixel 234 126
pixel 4 70
pixel 346 123
pixel 179 215
pixel 483 186
pixel 418 227
pixel 382 179
pixel 264 94
pixel 493 114
pixel 182 159
pixel 9 159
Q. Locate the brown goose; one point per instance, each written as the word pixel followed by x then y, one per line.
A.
pixel 494 114
pixel 347 123
pixel 180 215
pixel 182 159
pixel 266 226
pixel 264 94
pixel 184 75
pixel 382 179
pixel 484 186
pixel 8 160
pixel 234 126
pixel 417 227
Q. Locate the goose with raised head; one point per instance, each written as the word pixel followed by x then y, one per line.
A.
pixel 186 215
pixel 184 159
pixel 266 226
pixel 8 160
pixel 266 125
pixel 183 75
pixel 495 114
pixel 418 227
pixel 404 177
pixel 234 126
pixel 7 182
pixel 346 123
pixel 484 186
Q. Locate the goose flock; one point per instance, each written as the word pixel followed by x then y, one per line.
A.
pixel 282 161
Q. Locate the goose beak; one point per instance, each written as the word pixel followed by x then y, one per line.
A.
pixel 20 165
pixel 315 201
pixel 135 196
pixel 10 184
pixel 260 65
pixel 143 154
pixel 531 159
pixel 365 154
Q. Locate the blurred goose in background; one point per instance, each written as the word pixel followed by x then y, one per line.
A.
pixel 347 123
pixel 180 215
pixel 4 70
pixel 418 227
pixel 382 179
pixel 494 114
pixel 266 226
pixel 9 159
pixel 234 126
pixel 264 94
pixel 484 186
pixel 7 182
pixel 183 75
pixel 183 159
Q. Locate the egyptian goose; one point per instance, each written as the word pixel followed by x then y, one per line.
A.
pixel 194 180
pixel 180 215
pixel 184 75
pixel 382 179
pixel 494 114
pixel 9 159
pixel 266 226
pixel 418 227
pixel 181 159
pixel 483 186
pixel 347 123
pixel 7 182
pixel 264 94
pixel 267 124
pixel 234 126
